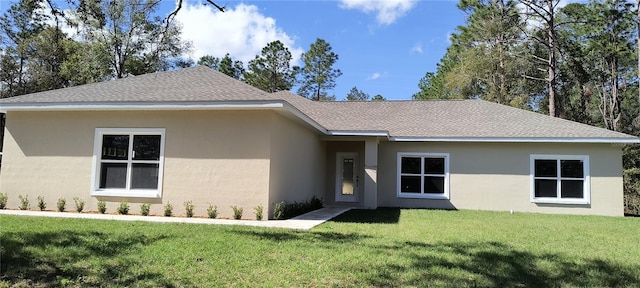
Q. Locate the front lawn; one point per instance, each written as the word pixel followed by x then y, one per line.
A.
pixel 385 247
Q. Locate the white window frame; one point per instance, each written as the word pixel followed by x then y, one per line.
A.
pixel 422 195
pixel 126 192
pixel 586 195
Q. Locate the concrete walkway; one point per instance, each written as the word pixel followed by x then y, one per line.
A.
pixel 302 222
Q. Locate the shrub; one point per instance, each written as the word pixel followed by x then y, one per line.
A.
pixel 41 203
pixel 79 204
pixel 278 213
pixel 144 209
pixel 61 204
pixel 24 202
pixel 212 211
pixel 258 211
pixel 188 208
pixel 237 212
pixel 3 200
pixel 289 210
pixel 123 209
pixel 102 206
pixel 168 210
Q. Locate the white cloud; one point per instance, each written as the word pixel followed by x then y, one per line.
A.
pixel 73 32
pixel 417 48
pixel 240 31
pixel 374 76
pixel 387 11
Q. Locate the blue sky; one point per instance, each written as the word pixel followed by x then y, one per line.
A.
pixel 384 47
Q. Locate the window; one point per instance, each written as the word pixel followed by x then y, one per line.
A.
pixel 423 175
pixel 128 162
pixel 561 179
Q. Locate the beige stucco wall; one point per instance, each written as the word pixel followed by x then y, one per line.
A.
pixel 297 164
pixel 495 176
pixel 221 157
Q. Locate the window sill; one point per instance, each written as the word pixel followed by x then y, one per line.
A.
pixel 127 193
pixel 423 196
pixel 561 201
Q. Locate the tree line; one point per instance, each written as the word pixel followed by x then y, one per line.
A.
pixel 118 38
pixel 578 62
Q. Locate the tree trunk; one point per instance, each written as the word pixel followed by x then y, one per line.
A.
pixel 552 61
pixel 637 120
pixel 501 39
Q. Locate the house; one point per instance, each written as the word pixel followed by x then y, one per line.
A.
pixel 196 134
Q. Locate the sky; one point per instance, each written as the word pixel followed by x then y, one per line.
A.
pixel 384 47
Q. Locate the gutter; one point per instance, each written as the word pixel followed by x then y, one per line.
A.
pixel 518 140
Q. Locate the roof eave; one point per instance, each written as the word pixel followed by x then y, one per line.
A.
pixel 111 106
pixel 592 140
pixel 367 133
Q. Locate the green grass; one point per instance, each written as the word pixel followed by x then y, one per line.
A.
pixel 385 247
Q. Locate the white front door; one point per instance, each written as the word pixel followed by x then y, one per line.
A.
pixel 347 180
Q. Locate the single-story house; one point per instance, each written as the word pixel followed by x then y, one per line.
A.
pixel 196 134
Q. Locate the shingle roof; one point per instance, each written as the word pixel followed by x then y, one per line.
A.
pixel 444 119
pixel 191 84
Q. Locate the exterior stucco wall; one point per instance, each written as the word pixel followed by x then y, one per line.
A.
pixel 496 176
pixel 297 162
pixel 217 157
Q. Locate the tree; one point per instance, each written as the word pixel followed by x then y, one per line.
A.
pixel 544 11
pixel 378 97
pixel 636 121
pixel 593 35
pixel 225 65
pixel 231 68
pixel 490 62
pixel 271 71
pixel 318 74
pixel 356 95
pixel 613 47
pixel 22 22
pixel 432 87
pixel 50 49
pixel 135 40
pixel 210 61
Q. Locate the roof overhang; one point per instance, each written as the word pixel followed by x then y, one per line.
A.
pixel 519 140
pixel 111 106
pixel 365 133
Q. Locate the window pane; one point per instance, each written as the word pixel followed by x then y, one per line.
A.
pixel 572 188
pixel 146 147
pixel 572 168
pixel 546 168
pixel 434 166
pixel 347 176
pixel 434 184
pixel 113 175
pixel 410 184
pixel 115 147
pixel 546 188
pixel 410 165
pixel 144 176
